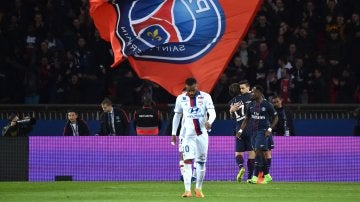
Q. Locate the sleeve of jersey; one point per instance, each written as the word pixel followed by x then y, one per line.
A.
pixel 178 108
pixel 209 103
pixel 177 115
pixel 212 115
pixel 175 123
pixel 211 110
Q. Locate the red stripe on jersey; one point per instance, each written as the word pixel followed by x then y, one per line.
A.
pixel 195 121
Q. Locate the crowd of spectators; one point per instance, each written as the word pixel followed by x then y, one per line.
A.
pixel 302 50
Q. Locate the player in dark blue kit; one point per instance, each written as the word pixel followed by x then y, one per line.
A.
pixel 241 98
pixel 264 118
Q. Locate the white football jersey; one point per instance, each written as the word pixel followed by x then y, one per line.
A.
pixel 194 112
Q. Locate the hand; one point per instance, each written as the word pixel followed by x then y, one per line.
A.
pixel 267 133
pixel 234 107
pixel 238 135
pixel 207 125
pixel 173 140
pixel 13 123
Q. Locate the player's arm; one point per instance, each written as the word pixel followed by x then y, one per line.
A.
pixel 244 122
pixel 211 119
pixel 211 111
pixel 234 107
pixel 175 124
pixel 176 120
pixel 242 127
pixel 274 120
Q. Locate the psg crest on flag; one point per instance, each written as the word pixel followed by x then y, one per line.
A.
pixel 178 31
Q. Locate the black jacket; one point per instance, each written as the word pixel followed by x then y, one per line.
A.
pixel 284 114
pixel 121 123
pixel 16 131
pixel 83 128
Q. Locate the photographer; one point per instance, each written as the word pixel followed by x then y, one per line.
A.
pixel 17 127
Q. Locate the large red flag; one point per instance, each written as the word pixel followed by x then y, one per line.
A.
pixel 167 41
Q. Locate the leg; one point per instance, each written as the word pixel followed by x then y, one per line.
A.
pixel 181 162
pixel 187 174
pixel 251 163
pixel 239 157
pixel 193 177
pixel 188 156
pixel 181 166
pixel 260 147
pixel 251 155
pixel 267 176
pixel 201 157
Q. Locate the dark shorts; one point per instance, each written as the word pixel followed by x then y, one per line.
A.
pixel 270 142
pixel 259 141
pixel 244 143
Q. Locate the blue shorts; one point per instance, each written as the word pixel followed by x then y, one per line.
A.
pixel 270 142
pixel 244 144
pixel 259 141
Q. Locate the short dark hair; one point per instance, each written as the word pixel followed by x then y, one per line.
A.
pixel 12 116
pixel 259 88
pixel 246 82
pixel 106 101
pixel 190 81
pixel 275 97
pixel 234 89
pixel 72 110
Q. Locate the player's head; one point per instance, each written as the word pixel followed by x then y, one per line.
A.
pixel 234 89
pixel 72 116
pixel 277 101
pixel 257 92
pixel 191 86
pixel 244 86
pixel 106 105
pixel 148 102
pixel 13 117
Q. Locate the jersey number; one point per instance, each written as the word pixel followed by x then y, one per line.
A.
pixel 241 110
pixel 186 148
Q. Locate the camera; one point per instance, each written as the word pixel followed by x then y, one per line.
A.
pixel 26 121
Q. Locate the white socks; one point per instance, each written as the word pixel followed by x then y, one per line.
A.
pixel 200 174
pixel 181 167
pixel 187 176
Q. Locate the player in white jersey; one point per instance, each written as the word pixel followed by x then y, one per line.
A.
pixel 193 106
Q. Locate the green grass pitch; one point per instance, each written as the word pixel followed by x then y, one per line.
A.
pixel 171 191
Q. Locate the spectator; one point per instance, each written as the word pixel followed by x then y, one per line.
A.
pixel 318 87
pixel 127 88
pixel 74 90
pixel 75 126
pixel 147 120
pixel 271 83
pixel 17 127
pixel 286 85
pixel 299 76
pixel 113 121
pixel 346 87
pixel 285 125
